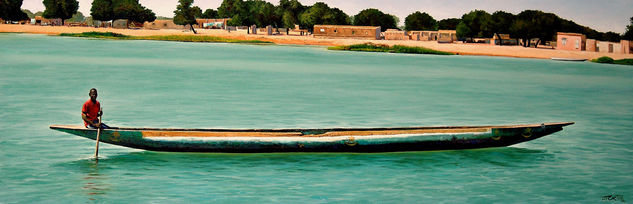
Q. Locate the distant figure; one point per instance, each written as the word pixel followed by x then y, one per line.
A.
pixel 91 111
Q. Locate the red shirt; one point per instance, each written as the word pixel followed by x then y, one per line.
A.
pixel 91 110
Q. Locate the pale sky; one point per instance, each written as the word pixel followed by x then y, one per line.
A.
pixel 602 15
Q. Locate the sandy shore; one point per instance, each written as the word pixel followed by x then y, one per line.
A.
pixel 462 49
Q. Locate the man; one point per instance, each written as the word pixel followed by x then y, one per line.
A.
pixel 91 111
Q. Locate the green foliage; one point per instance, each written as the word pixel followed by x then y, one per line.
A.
pixel 501 22
pixel 289 11
pixel 230 8
pixel 370 47
pixel 210 13
pixel 262 13
pixel 180 38
pixel 184 13
pixel 624 62
pixel 449 23
pixel 420 21
pixel 477 23
pixel 10 10
pixel 28 13
pixel 132 10
pixel 63 9
pixel 321 14
pixel 628 35
pixel 78 17
pixel 611 36
pixel 604 59
pixel 102 10
pixel 535 24
pixel 95 35
pixel 375 17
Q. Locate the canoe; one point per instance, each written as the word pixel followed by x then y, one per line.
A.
pixel 318 140
pixel 568 59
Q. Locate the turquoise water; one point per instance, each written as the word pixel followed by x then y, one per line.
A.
pixel 44 80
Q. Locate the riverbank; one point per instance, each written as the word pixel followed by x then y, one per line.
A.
pixel 457 48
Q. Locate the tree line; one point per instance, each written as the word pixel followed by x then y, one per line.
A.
pixel 526 25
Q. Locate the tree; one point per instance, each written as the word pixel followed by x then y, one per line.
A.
pixel 185 14
pixel 28 13
pixel 229 8
pixel 535 24
pixel 501 22
pixel 475 24
pixel 321 13
pixel 628 35
pixel 131 10
pixel 197 12
pixel 210 13
pixel 289 11
pixel 375 17
pixel 420 21
pixel 63 9
pixel 262 13
pixel 102 10
pixel 611 36
pixel 10 10
pixel 78 17
pixel 448 24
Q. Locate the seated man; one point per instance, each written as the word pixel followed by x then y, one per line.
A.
pixel 91 111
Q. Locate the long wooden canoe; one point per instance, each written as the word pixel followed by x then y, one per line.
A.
pixel 318 140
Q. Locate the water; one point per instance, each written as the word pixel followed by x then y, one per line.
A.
pixel 44 80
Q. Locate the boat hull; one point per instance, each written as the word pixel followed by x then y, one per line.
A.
pixel 318 140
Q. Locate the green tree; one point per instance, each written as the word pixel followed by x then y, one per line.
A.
pixel 289 11
pixel 448 24
pixel 628 35
pixel 10 10
pixel 230 8
pixel 78 17
pixel 501 22
pixel 420 21
pixel 475 24
pixel 28 13
pixel 262 13
pixel 131 10
pixel 210 13
pixel 375 17
pixel 611 36
pixel 321 13
pixel 63 9
pixel 102 10
pixel 535 24
pixel 185 14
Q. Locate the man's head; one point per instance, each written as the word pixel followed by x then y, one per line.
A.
pixel 93 94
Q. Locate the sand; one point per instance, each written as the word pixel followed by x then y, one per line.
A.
pixel 458 48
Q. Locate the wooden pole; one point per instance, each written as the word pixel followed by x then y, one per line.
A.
pixel 98 133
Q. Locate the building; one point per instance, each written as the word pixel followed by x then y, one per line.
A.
pixel 214 23
pixel 503 39
pixel 608 47
pixel 570 41
pixel 163 24
pixel 441 36
pixel 347 31
pixel 39 20
pixel 627 46
pixel 395 34
pixel 120 23
pixel 447 36
pixel 590 45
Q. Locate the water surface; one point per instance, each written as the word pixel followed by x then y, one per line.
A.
pixel 44 80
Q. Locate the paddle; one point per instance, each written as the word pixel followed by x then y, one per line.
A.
pixel 98 133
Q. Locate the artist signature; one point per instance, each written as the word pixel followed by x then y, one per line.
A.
pixel 613 198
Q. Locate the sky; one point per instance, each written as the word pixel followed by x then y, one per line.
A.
pixel 602 15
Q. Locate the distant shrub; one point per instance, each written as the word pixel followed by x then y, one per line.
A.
pixel 605 59
pixel 624 61
pixel 370 47
pixel 95 35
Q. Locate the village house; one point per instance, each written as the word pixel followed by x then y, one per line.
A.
pixel 627 46
pixel 347 31
pixel 608 47
pixel 163 24
pixel 212 23
pixel 570 41
pixel 502 39
pixel 441 36
pixel 395 34
pixel 39 20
